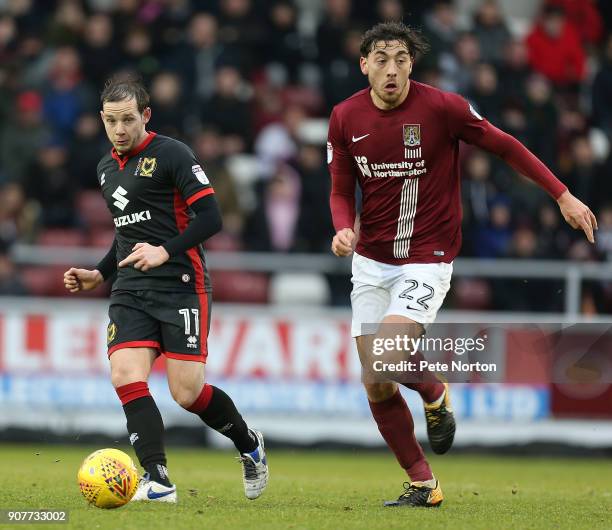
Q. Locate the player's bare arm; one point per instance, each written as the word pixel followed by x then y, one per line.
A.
pixel 577 214
pixel 145 256
pixel 76 280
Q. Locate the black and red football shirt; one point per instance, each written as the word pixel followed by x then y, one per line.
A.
pixel 148 192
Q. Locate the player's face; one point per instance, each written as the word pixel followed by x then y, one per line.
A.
pixel 125 126
pixel 388 67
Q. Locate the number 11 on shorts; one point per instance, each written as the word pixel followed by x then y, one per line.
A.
pixel 196 320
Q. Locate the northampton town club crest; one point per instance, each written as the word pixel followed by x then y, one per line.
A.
pixel 412 140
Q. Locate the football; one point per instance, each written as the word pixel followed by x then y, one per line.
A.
pixel 108 478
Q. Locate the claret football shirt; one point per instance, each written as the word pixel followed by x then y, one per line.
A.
pixel 406 161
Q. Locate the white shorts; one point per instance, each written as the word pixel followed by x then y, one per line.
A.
pixel 414 290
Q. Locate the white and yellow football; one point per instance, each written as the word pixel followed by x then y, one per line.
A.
pixel 108 478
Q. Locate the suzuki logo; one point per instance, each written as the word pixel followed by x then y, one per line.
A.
pixel 132 218
pixel 119 195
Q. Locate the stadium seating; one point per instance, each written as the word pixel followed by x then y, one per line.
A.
pixel 61 237
pixel 302 288
pixel 93 211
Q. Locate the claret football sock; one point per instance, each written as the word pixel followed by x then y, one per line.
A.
pixel 430 392
pixel 218 411
pixel 396 425
pixel 146 429
pixel 438 401
pixel 428 385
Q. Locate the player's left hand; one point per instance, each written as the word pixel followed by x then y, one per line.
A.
pixel 577 214
pixel 145 257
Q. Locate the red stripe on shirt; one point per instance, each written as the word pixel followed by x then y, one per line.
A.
pixel 182 220
pixel 199 195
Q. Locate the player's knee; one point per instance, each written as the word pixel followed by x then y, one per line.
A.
pixel 380 391
pixel 124 375
pixel 185 396
pixel 392 323
pixel 185 381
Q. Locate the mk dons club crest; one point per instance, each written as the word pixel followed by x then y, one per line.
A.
pixel 146 166
pixel 111 332
pixel 412 140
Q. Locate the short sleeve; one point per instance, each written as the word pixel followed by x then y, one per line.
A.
pixel 339 160
pixel 464 123
pixel 188 175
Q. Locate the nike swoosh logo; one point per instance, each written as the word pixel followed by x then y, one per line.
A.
pixel 360 137
pixel 154 495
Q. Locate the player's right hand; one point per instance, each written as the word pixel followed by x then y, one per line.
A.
pixel 342 244
pixel 76 280
pixel 577 214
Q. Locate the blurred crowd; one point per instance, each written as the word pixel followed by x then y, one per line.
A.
pixel 249 84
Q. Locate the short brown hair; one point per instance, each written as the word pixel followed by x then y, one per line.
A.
pixel 389 31
pixel 125 86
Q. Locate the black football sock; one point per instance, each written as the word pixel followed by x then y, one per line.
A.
pixel 146 429
pixel 218 411
pixel 158 473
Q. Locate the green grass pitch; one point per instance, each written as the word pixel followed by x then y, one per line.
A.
pixel 316 489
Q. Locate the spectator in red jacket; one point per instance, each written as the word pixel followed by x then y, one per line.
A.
pixel 585 17
pixel 555 49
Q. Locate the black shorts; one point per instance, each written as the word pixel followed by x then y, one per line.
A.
pixel 176 324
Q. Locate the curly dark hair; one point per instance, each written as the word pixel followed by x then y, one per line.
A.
pixel 389 31
pixel 125 86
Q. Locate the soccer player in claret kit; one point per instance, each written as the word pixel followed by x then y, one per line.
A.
pixel 164 208
pixel 399 139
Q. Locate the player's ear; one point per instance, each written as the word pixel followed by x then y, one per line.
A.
pixel 102 116
pixel 363 64
pixel 146 114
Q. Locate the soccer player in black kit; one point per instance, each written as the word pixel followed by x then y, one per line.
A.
pixel 163 207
